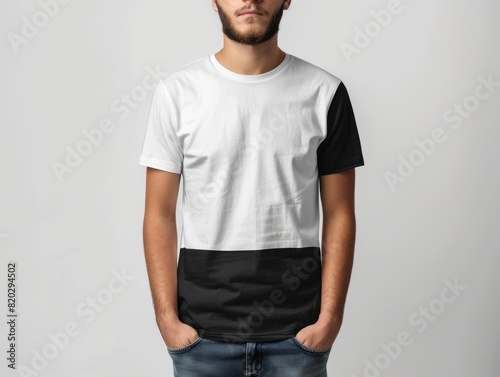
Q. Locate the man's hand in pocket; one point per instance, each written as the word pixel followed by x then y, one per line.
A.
pixel 175 333
pixel 321 334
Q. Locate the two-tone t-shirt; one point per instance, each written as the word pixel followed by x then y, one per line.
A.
pixel 250 149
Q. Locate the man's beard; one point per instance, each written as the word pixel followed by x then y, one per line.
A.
pixel 253 37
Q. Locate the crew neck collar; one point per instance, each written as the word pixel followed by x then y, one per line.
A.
pixel 249 78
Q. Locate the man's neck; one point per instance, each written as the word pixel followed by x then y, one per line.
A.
pixel 250 59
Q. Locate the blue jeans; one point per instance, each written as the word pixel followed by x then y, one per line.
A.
pixel 283 358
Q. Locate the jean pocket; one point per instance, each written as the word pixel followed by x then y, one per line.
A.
pixel 310 350
pixel 185 348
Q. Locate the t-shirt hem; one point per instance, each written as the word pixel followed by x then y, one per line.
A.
pixel 337 168
pixel 225 337
pixel 159 164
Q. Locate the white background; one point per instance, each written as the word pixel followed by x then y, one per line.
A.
pixel 69 233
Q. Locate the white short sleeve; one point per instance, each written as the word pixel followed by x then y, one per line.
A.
pixel 161 148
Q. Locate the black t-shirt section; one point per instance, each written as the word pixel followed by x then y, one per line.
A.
pixel 249 295
pixel 341 148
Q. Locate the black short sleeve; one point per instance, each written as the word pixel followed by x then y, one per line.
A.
pixel 341 148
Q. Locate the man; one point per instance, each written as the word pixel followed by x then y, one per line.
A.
pixel 255 133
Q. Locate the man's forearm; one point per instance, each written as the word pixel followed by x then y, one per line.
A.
pixel 160 249
pixel 339 232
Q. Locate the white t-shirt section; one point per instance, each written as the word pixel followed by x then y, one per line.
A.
pixel 246 146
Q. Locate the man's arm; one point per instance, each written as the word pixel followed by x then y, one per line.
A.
pixel 339 232
pixel 160 250
pixel 339 228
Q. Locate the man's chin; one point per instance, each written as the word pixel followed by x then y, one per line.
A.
pixel 248 41
pixel 246 38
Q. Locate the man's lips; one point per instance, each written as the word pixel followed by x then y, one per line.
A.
pixel 250 13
